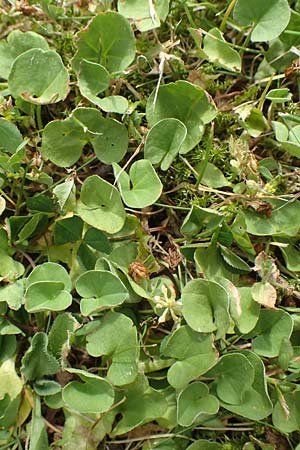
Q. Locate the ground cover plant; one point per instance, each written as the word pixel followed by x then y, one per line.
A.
pixel 149 240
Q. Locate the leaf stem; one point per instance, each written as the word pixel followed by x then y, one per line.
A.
pixel 204 163
pixel 227 14
pixel 38 115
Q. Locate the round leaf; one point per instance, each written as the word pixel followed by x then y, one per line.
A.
pixel 105 289
pixel 92 79
pixel 202 444
pixel 113 103
pixel 146 185
pixel 108 40
pixel 269 17
pixel 164 142
pixel 94 395
pixel 62 142
pixel 193 402
pixel 112 142
pixel 183 101
pixel 205 307
pixel 50 272
pixel 47 296
pixel 17 43
pixel 39 77
pixel 101 205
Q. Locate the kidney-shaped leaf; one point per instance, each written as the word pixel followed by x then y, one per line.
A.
pixel 235 375
pixel 256 404
pixel 62 142
pixel 108 40
pixel 145 14
pixel 269 17
pixel 205 307
pixel 94 395
pixel 142 187
pixel 115 336
pixel 18 42
pixel 273 326
pixel 193 402
pixel 100 290
pixel 48 288
pixel 164 141
pixel 47 296
pixel 50 272
pixel 194 352
pixel 39 76
pixel 183 101
pixel 92 79
pixel 101 205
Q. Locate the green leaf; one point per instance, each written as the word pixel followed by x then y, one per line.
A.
pixel 108 40
pixel 94 395
pixel 9 268
pixel 101 205
pixel 10 136
pixel 47 296
pixel 244 310
pixel 268 18
pixel 205 307
pixel 98 240
pixel 37 432
pixel 264 293
pixel 114 103
pixel 17 43
pixel 37 361
pixel 112 141
pixel 115 336
pixel 50 272
pixel 279 95
pixel 199 218
pixel 67 230
pixel 281 222
pixel 10 383
pixel 193 402
pixel 286 414
pixel 13 294
pixel 272 327
pixel 183 101
pixel 212 176
pixel 61 334
pixel 234 261
pixel 291 257
pixel 220 52
pixel 143 404
pixel 234 376
pixel 256 404
pixel 100 290
pixel 134 188
pixel 93 79
pixel 164 142
pixel 39 77
pixel 62 142
pixel 65 193
pixel 195 354
pixel 146 15
pixel 210 262
pixel 45 387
